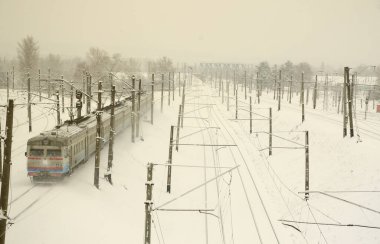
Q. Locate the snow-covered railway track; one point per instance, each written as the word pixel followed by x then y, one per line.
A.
pixel 370 133
pixel 22 195
pixel 252 191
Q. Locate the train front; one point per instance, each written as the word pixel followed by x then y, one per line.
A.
pixel 47 157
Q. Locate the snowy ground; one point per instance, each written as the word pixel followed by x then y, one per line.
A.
pixel 243 206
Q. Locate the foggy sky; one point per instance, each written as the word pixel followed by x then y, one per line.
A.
pixel 337 32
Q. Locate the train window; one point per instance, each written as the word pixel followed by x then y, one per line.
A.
pixel 53 152
pixel 36 152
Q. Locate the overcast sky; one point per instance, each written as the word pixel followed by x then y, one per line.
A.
pixel 338 32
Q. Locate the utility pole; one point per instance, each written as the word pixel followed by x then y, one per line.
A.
pixel 6 171
pixel 89 93
pixel 78 104
pixel 366 104
pixel 152 102
pixel 344 103
pixel 138 110
pixel 58 111
pixel 148 204
pixel 257 88
pixel 133 110
pixel 98 135
pixel 84 83
pixel 306 165
pixel 71 101
pixel 29 106
pixel 349 97
pixel 63 95
pixel 315 92
pixel 108 175
pixel 169 179
pixel 178 127
pixel 302 98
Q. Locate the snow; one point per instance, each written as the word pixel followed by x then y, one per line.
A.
pixel 74 211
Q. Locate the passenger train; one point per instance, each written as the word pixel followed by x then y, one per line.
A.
pixel 55 153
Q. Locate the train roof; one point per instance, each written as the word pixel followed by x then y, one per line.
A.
pixel 69 129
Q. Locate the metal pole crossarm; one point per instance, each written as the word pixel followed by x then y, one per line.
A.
pixel 330 224
pixel 194 166
pixel 211 104
pixel 211 127
pixel 195 118
pixel 208 145
pixel 262 149
pixel 341 199
pixel 184 210
pixel 247 119
pixel 81 90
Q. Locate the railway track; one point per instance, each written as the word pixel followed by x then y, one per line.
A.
pixel 370 133
pixel 245 175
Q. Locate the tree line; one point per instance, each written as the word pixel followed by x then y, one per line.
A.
pixel 97 61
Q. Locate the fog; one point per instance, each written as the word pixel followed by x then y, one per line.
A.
pixel 340 32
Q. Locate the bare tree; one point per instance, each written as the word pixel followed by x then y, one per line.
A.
pixel 287 69
pixel 306 69
pixel 164 64
pixel 80 67
pixel 264 70
pixel 98 62
pixel 377 71
pixel 52 62
pixel 132 65
pixel 115 62
pixel 28 52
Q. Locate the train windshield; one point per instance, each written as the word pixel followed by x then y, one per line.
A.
pixel 53 152
pixel 37 152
